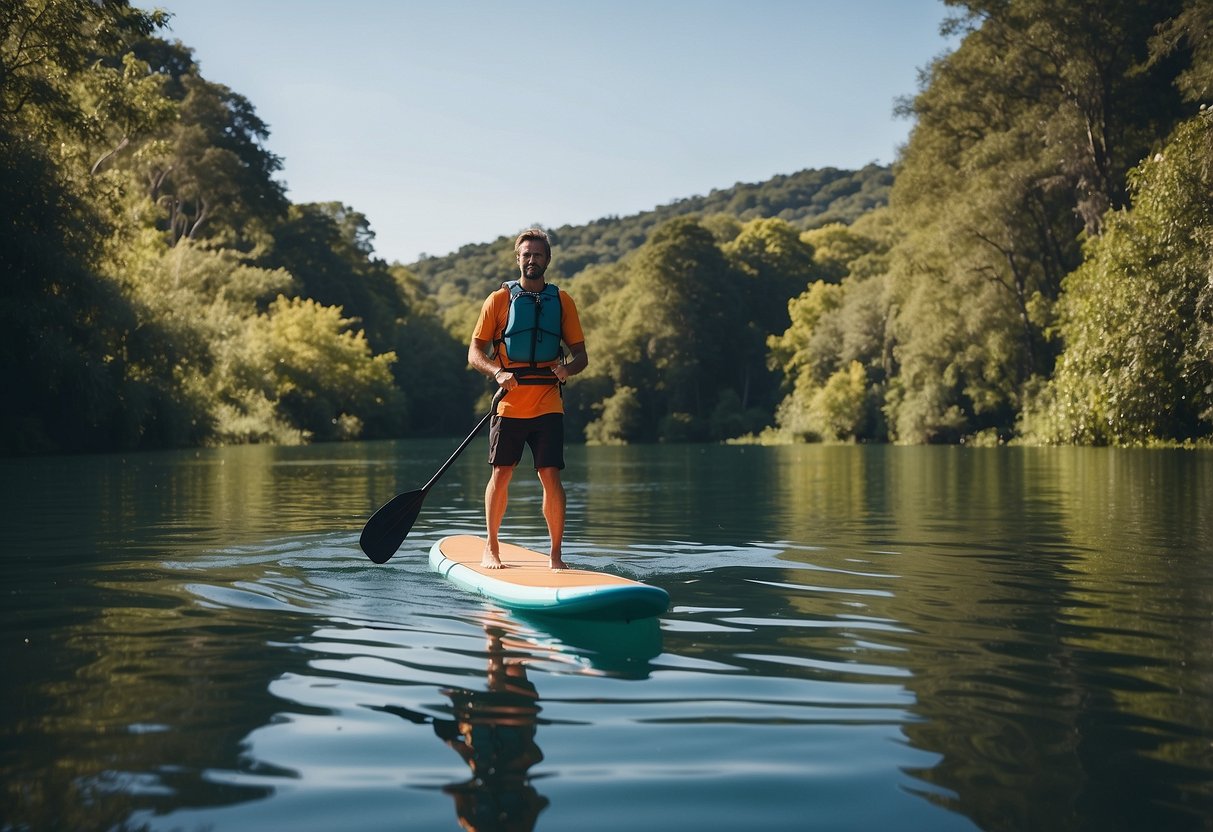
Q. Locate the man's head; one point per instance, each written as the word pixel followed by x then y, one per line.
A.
pixel 534 253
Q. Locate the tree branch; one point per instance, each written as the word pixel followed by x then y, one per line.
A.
pixel 122 144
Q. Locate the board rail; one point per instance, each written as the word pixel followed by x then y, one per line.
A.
pixel 528 583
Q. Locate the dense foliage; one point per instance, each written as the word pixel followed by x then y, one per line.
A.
pixel 973 316
pixel 1149 280
pixel 1038 266
pixel 159 289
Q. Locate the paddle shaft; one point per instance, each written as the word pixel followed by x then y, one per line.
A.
pixel 390 525
pixel 492 410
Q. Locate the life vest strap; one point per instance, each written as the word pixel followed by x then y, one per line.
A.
pixel 533 375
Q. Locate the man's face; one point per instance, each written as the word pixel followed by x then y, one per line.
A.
pixel 532 259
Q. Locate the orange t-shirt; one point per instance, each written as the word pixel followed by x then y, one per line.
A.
pixel 526 400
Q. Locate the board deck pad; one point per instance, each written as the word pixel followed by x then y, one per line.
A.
pixel 529 583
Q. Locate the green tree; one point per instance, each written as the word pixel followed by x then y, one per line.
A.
pixel 665 328
pixel 1085 60
pixel 1191 28
pixel 799 349
pixel 838 324
pixel 1022 139
pixel 44 49
pixel 836 247
pixel 124 104
pixel 1137 317
pixel 619 419
pixel 60 321
pixel 320 375
pixel 65 331
pixel 431 367
pixel 774 264
pixel 199 302
pixel 210 172
pixel 329 248
pixel 839 407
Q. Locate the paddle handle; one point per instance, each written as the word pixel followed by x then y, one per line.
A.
pixel 492 410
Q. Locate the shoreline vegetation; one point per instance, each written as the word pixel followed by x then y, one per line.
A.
pixel 1035 268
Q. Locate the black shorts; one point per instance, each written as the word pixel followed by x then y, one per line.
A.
pixel 545 435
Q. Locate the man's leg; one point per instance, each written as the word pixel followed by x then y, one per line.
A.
pixel 553 510
pixel 496 496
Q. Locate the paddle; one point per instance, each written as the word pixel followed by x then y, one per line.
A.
pixel 390 525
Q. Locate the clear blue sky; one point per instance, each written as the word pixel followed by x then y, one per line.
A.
pixel 457 122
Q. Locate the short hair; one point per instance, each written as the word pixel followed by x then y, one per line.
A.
pixel 534 234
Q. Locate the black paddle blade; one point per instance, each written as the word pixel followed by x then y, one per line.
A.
pixel 388 527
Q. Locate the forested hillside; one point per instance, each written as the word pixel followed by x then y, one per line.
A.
pixel 807 199
pixel 1037 266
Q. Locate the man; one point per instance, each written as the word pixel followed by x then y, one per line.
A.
pixel 517 342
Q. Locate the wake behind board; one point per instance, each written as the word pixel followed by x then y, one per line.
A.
pixel 528 583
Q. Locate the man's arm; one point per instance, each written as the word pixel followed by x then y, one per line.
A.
pixel 478 357
pixel 578 361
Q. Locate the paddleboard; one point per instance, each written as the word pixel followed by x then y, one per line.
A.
pixel 528 583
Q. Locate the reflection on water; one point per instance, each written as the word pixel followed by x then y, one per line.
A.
pixel 860 638
pixel 493 729
pixel 493 732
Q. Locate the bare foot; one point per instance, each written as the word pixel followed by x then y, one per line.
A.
pixel 558 564
pixel 491 560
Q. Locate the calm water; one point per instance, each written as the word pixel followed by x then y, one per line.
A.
pixel 861 638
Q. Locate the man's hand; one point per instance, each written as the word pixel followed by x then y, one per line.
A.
pixel 505 379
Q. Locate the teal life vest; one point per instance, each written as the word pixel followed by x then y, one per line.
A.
pixel 532 331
